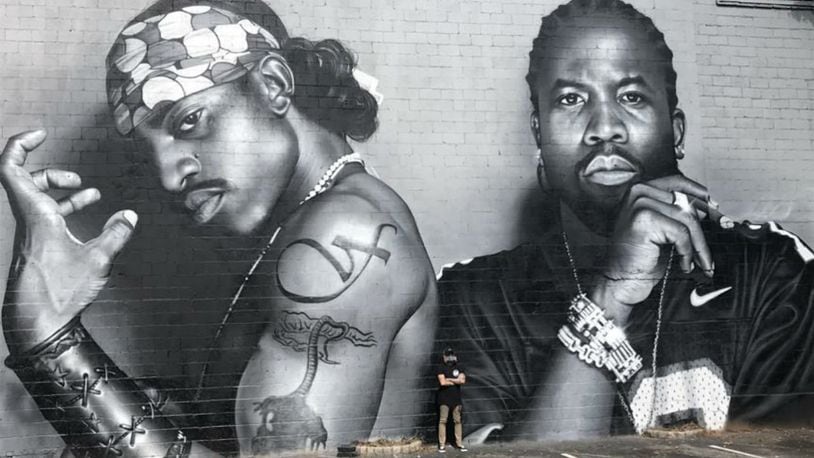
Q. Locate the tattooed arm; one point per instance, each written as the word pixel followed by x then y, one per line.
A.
pixel 348 277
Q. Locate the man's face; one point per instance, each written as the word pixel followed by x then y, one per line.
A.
pixel 604 118
pixel 227 157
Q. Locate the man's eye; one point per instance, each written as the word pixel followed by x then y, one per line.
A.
pixel 189 121
pixel 632 98
pixel 570 99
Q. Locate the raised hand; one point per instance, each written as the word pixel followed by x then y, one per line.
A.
pixel 54 276
pixel 648 221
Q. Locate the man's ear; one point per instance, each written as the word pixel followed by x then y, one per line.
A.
pixel 679 125
pixel 274 80
pixel 535 128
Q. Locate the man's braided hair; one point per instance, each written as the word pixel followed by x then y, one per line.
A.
pixel 575 9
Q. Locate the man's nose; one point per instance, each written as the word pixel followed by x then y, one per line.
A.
pixel 176 166
pixel 605 125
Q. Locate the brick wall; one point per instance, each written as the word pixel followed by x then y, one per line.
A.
pixel 754 85
pixel 453 139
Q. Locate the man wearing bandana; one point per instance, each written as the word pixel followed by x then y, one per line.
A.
pixel 641 306
pixel 247 127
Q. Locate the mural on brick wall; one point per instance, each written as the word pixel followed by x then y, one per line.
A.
pixel 677 314
pixel 247 128
pixel 641 304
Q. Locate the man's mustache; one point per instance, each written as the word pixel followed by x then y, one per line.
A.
pixel 211 183
pixel 609 149
pixel 177 202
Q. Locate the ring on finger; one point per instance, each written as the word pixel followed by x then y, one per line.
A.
pixel 681 201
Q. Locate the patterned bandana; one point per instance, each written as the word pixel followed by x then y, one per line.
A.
pixel 165 58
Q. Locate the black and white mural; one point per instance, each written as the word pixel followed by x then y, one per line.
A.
pixel 253 228
pixel 677 312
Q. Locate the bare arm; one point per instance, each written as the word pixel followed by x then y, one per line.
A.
pixel 577 399
pixel 348 279
pixel 444 381
pixel 580 398
pixel 409 384
pixel 96 408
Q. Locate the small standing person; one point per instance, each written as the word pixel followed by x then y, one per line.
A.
pixel 450 378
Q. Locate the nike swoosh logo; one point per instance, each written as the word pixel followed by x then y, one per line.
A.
pixel 697 300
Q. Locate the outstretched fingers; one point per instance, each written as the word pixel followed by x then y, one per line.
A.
pixel 78 201
pixel 116 233
pixel 47 179
pixel 18 147
pixel 15 179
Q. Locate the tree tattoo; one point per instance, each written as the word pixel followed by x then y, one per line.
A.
pixel 288 423
pixel 348 276
pixel 294 329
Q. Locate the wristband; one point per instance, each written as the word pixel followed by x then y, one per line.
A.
pixel 94 406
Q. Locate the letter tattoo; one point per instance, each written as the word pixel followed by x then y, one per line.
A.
pixel 348 276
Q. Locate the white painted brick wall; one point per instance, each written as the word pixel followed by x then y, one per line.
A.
pixel 453 136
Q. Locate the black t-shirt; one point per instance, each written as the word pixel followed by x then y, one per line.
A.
pixel 743 343
pixel 449 395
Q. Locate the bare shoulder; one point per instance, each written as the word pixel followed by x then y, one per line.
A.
pixel 375 191
pixel 357 237
pixel 368 193
pixel 357 204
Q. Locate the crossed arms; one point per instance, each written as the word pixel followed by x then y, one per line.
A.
pixel 459 380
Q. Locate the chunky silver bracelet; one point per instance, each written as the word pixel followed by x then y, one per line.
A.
pixel 597 341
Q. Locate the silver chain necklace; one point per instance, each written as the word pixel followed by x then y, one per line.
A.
pixel 619 387
pixel 325 183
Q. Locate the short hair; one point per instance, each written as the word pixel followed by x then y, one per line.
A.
pixel 325 88
pixel 586 8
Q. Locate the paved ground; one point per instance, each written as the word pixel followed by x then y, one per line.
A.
pixel 762 443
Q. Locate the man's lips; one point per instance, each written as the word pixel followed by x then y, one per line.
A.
pixel 610 170
pixel 204 203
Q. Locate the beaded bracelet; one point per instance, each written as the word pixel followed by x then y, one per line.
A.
pixel 597 341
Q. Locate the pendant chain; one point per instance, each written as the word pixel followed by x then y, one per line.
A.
pixel 571 262
pixel 662 291
pixel 650 420
pixel 325 183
